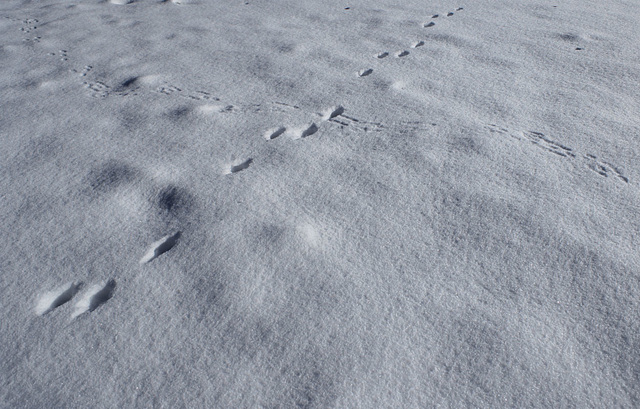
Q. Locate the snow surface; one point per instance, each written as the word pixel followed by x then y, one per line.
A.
pixel 358 208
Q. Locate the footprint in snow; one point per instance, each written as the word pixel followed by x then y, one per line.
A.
pixel 403 53
pixel 429 24
pixel 94 297
pixel 160 247
pixel 274 133
pixel 417 44
pixel 604 168
pixel 306 131
pixel 333 112
pixel 240 166
pixel 168 89
pixel 55 298
pixel 84 72
pixel 364 73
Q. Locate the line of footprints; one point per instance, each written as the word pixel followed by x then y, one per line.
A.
pixel 100 293
pixel 538 139
pixel 404 53
pixel 293 132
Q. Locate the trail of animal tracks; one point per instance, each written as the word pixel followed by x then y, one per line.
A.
pixel 319 204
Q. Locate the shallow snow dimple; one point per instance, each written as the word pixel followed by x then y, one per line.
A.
pixel 160 247
pixel 54 299
pixel 310 234
pixel 94 297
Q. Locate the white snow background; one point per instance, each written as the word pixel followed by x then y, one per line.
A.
pixel 320 204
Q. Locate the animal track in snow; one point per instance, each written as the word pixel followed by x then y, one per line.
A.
pixel 538 139
pixel 202 96
pixel 303 132
pixel 94 297
pixel 434 16
pixel 135 85
pixel 284 104
pixel 333 112
pixel 29 25
pixel 33 39
pixel 168 89
pixel 493 128
pixel 240 166
pixel 54 299
pixel 306 131
pixel 349 121
pixel 415 44
pixel 227 108
pixel 355 124
pixel 604 168
pixel 160 247
pixel 329 114
pixel 129 86
pixel 86 70
pixel 547 144
pixel 274 133
pixel 198 95
pixel 364 73
pixel 62 53
pixel 98 89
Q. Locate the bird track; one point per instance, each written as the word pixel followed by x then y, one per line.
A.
pixel 541 141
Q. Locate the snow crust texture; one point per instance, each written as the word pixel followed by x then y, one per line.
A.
pixel 319 204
